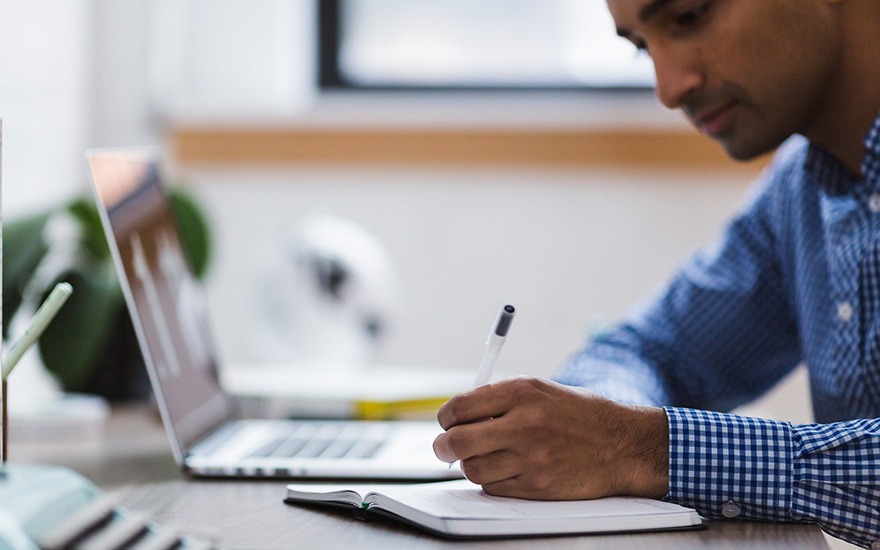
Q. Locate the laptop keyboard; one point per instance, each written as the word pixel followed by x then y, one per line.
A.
pixel 325 440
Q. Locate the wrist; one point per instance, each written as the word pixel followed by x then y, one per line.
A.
pixel 644 453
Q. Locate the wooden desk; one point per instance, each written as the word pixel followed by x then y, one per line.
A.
pixel 133 462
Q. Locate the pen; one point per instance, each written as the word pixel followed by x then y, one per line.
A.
pixel 493 343
pixel 496 338
pixel 38 324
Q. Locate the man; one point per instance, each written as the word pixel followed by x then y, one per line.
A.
pixel 794 278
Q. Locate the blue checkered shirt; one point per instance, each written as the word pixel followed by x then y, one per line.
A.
pixel 794 278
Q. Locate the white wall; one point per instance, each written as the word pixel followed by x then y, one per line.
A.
pixel 44 60
pixel 121 109
pixel 567 247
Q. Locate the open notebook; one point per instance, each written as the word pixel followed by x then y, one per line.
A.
pixel 460 509
pixel 168 311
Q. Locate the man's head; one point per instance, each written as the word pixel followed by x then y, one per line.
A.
pixel 748 73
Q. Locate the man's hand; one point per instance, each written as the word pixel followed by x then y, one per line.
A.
pixel 533 438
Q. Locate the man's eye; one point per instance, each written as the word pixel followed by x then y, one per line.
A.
pixel 693 16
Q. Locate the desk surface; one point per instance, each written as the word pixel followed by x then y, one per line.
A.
pixel 133 462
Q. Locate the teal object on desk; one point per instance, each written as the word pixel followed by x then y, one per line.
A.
pixel 48 507
pixel 35 499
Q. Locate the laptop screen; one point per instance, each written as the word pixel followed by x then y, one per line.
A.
pixel 164 299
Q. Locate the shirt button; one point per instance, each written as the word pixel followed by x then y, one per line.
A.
pixel 875 545
pixel 844 311
pixel 874 203
pixel 730 510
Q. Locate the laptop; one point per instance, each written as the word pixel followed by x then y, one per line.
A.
pixel 208 435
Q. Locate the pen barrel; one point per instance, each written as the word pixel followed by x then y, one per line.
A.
pixel 487 365
pixel 494 343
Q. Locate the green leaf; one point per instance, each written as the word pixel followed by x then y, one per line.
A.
pixel 92 237
pixel 71 346
pixel 194 233
pixel 23 248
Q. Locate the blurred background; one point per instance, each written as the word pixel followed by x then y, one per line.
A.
pixel 496 151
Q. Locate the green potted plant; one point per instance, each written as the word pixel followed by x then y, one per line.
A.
pixel 90 346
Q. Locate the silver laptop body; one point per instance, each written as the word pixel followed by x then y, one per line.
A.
pixel 167 307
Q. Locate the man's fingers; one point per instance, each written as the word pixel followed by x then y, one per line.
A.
pixel 464 441
pixel 442 450
pixel 490 468
pixel 510 487
pixel 472 406
pixel 489 401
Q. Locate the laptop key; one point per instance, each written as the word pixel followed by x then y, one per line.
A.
pixel 338 448
pixel 268 449
pixel 365 449
pixel 290 448
pixel 314 448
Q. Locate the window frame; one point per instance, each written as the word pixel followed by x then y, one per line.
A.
pixel 330 77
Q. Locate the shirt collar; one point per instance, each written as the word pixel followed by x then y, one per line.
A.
pixel 830 174
pixel 871 160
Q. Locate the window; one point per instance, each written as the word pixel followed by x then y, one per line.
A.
pixel 476 44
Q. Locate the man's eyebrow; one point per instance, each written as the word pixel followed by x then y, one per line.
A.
pixel 650 9
pixel 646 13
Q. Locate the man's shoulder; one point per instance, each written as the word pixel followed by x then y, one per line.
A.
pixel 790 159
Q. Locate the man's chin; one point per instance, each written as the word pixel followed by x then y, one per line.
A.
pixel 741 151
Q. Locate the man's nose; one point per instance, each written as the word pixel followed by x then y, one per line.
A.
pixel 678 76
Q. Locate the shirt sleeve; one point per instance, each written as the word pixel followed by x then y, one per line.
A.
pixel 722 332
pixel 729 466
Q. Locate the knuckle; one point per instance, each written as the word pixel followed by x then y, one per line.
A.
pixel 540 482
pixel 542 460
pixel 457 443
pixel 521 384
pixel 535 423
pixel 473 470
pixel 524 387
pixel 448 414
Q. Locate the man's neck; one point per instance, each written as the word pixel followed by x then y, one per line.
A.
pixel 852 101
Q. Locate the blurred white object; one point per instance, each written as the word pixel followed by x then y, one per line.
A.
pixel 325 296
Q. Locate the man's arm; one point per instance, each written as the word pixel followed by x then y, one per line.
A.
pixel 721 333
pixel 724 329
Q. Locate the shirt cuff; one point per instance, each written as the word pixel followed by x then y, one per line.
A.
pixel 727 466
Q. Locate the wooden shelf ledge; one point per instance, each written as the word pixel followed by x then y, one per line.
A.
pixel 667 149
